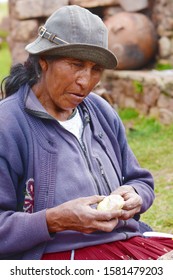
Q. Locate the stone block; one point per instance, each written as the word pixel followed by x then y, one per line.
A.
pixel 24 30
pixel 127 5
pixel 166 116
pixel 142 108
pixel 151 95
pixel 93 3
pixel 168 87
pixel 18 53
pixel 129 102
pixel 163 101
pixel 154 113
pixel 164 47
pixel 28 9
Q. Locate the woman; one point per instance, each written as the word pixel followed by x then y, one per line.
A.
pixel 63 149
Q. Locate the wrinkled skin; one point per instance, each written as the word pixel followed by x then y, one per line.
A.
pixel 78 215
pixel 133 201
pixel 64 83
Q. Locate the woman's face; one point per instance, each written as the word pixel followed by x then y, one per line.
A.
pixel 65 83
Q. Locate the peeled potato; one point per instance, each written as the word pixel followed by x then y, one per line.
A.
pixel 111 202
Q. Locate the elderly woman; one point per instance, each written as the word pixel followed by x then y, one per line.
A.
pixel 63 149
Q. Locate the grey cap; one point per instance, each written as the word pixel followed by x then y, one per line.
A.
pixel 73 31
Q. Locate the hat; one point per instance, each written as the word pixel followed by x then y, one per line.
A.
pixel 73 31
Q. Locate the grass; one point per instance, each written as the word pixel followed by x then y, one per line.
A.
pixel 3 10
pixel 5 60
pixel 152 144
pixel 5 56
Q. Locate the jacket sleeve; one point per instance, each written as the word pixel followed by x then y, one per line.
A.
pixel 19 231
pixel 131 171
pixel 133 174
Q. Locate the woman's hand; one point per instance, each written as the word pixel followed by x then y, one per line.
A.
pixel 78 215
pixel 133 201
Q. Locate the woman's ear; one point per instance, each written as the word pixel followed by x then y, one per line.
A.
pixel 43 64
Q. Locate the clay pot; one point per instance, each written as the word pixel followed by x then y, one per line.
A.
pixel 132 38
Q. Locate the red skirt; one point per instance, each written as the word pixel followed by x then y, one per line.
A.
pixel 135 248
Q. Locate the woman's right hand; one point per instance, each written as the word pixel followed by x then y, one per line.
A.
pixel 78 215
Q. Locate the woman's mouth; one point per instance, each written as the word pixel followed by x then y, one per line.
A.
pixel 78 97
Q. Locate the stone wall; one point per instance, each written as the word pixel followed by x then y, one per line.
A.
pixel 25 18
pixel 27 15
pixel 148 91
pixel 162 17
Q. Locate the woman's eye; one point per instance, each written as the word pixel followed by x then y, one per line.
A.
pixel 98 68
pixel 78 64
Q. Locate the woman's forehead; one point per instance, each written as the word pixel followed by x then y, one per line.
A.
pixel 76 60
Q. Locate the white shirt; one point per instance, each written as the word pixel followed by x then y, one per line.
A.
pixel 74 125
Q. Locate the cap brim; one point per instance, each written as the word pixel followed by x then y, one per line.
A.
pixel 99 55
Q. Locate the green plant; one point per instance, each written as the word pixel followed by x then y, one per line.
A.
pixel 138 86
pixel 3 10
pixel 5 60
pixel 163 66
pixel 5 56
pixel 128 114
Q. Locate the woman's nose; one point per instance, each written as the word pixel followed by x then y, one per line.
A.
pixel 84 78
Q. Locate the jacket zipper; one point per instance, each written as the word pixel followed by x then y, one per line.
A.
pixel 89 167
pixel 103 174
pixel 82 144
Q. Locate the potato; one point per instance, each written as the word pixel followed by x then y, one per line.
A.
pixel 111 202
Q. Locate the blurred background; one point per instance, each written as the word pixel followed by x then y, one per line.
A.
pixel 140 89
pixel 5 55
pixel 140 35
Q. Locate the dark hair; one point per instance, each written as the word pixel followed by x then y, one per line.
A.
pixel 20 74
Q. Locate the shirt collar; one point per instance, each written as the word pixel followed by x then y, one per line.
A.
pixel 33 105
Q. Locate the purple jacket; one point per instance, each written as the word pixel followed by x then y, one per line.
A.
pixel 32 147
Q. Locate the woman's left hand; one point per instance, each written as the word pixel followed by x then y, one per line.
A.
pixel 133 201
